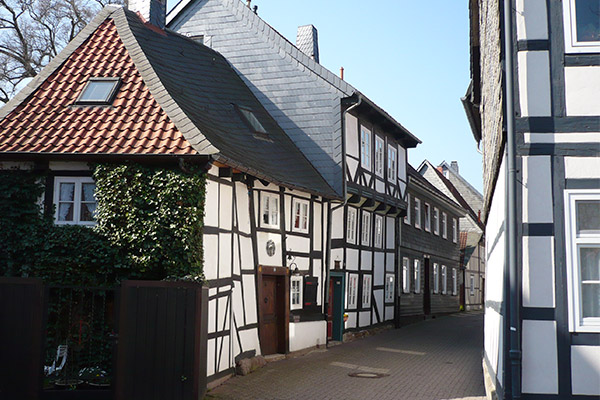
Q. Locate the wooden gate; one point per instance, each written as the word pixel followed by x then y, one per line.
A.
pixel 21 337
pixel 161 351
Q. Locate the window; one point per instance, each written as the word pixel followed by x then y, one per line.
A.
pixel 391 164
pixel 454 230
pixel 472 285
pixel 296 292
pixel 75 201
pixel 454 282
pixel 251 120
pixel 300 215
pixel 407 217
pixel 582 25
pixel 436 278
pixel 366 293
pixel 436 221
pixel 98 91
pixel 378 156
pixel 417 277
pixel 444 279
pixel 365 147
pixel 444 225
pixel 351 226
pixel 427 210
pixel 582 220
pixel 389 288
pixel 417 213
pixel 352 290
pixel 365 238
pixel 405 275
pixel 270 210
pixel 378 231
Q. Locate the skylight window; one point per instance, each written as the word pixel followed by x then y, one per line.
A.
pixel 99 91
pixel 251 120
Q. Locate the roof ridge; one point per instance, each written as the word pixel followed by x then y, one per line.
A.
pixel 420 178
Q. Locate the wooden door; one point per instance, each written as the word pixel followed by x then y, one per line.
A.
pixel 271 310
pixel 426 289
pixel 335 308
pixel 330 311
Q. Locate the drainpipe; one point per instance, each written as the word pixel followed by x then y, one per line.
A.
pixel 514 299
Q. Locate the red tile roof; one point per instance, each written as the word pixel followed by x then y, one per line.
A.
pixel 49 122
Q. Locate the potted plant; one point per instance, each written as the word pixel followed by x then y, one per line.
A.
pixel 95 377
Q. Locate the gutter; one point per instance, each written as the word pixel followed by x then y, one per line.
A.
pixel 514 298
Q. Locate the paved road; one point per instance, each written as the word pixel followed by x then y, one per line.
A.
pixel 430 360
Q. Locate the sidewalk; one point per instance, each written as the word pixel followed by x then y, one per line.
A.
pixel 431 360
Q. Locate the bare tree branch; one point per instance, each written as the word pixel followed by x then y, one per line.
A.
pixel 34 31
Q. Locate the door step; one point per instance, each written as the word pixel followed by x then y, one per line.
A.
pixel 274 357
pixel 332 343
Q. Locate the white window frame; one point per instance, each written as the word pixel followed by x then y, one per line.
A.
pixel 366 293
pixel 436 221
pixel 417 213
pixel 77 181
pixel 352 290
pixel 444 279
pixel 389 288
pixel 454 230
pixel 573 240
pixel 379 160
pixel 436 278
pixel 365 233
pixel 405 275
pixel 378 242
pixel 365 147
pixel 572 45
pixel 392 163
pixel 454 282
pixel 472 285
pixel 296 280
pixel 427 212
pixel 444 225
pixel 408 206
pixel 269 200
pixel 351 225
pixel 303 212
pixel 417 275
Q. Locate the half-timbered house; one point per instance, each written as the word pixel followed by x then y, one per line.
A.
pixel 534 106
pixel 357 147
pixel 429 279
pixel 129 90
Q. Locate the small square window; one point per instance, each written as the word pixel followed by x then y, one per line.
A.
pixel 300 215
pixel 270 210
pixel 98 91
pixel 74 200
pixel 251 120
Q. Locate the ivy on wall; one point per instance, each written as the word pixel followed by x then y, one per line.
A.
pixel 149 227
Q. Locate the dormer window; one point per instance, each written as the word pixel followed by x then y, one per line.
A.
pixel 98 91
pixel 251 120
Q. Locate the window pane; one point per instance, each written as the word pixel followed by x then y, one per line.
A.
pixel 589 259
pixel 98 91
pixel 87 192
pixel 590 300
pixel 588 216
pixel 65 212
pixel 87 211
pixel 252 121
pixel 67 191
pixel 587 13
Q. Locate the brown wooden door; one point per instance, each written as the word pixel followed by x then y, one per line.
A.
pixel 271 305
pixel 330 311
pixel 427 288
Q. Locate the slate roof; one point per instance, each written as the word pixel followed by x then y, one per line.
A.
pixel 302 95
pixel 414 175
pixel 197 89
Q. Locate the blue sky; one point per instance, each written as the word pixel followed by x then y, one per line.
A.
pixel 410 57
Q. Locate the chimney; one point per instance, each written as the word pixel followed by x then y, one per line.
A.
pixel 153 11
pixel 454 166
pixel 307 41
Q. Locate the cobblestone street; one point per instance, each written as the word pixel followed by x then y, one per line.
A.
pixel 431 360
